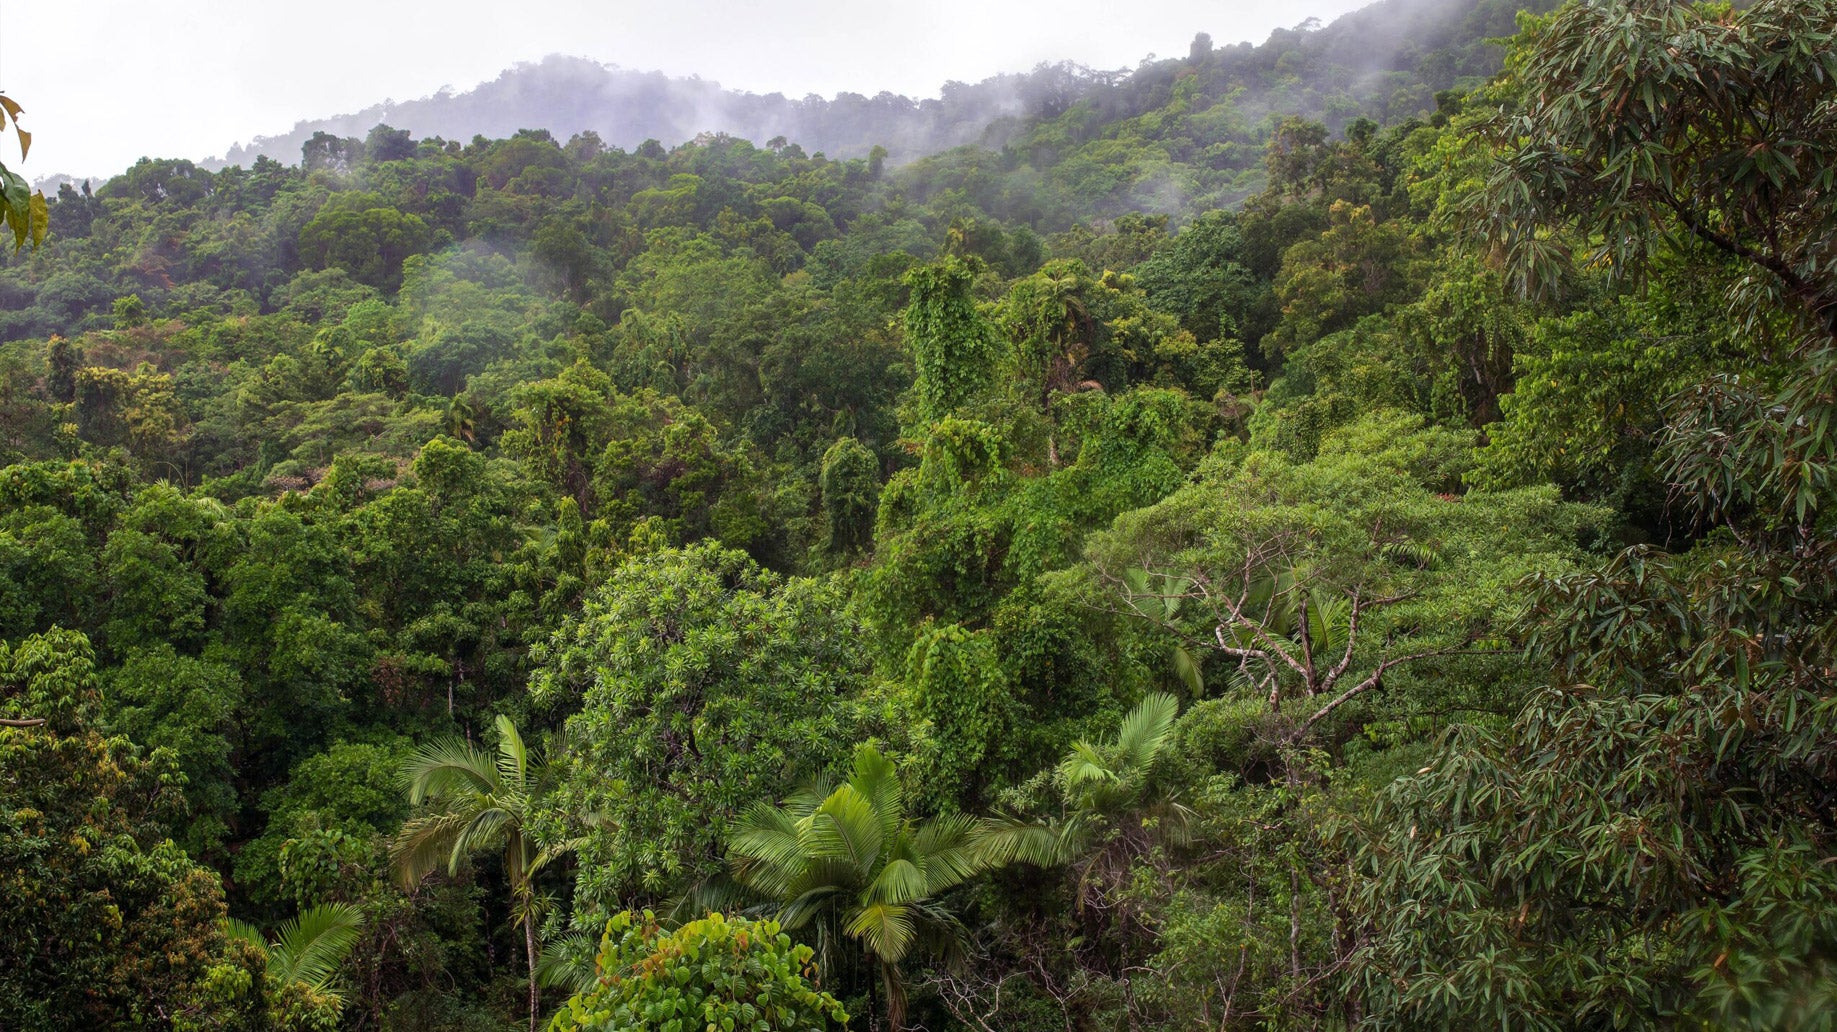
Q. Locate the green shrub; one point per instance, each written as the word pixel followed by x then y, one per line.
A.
pixel 720 973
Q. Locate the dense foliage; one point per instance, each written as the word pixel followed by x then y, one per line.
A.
pixel 1243 545
pixel 709 973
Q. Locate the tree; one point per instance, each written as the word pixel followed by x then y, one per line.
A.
pixel 1645 122
pixel 953 347
pixel 386 143
pixel 701 680
pixel 369 243
pixel 1108 827
pixel 1318 583
pixel 186 706
pixel 1200 276
pixel 478 803
pixel 850 861
pixel 850 483
pixel 1106 787
pixel 1644 845
pixel 104 922
pixel 718 972
pixel 1049 319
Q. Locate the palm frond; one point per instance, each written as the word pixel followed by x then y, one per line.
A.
pixel 901 881
pixel 1187 669
pixel 1144 732
pixel 513 755
pixel 553 851
pixel 765 848
pixel 846 827
pixel 806 799
pixel 424 844
pixel 309 948
pixel 569 962
pixel 447 768
pixel 951 851
pixel 1006 840
pixel 486 830
pixel 877 780
pixel 940 931
pixel 807 906
pixel 1329 621
pixel 1178 822
pixel 873 773
pixel 884 928
pixel 1136 580
pixel 1084 765
pixel 236 928
pixel 717 892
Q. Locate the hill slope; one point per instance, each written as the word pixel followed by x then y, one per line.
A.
pixel 1385 61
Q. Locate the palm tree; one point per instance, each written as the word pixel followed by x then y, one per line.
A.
pixel 1113 808
pixel 478 803
pixel 309 948
pixel 462 419
pixel 850 859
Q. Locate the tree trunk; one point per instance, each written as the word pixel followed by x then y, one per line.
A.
pixel 896 995
pixel 529 943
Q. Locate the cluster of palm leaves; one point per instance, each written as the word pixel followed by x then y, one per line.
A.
pixel 847 861
pixel 308 949
pixel 476 802
pixel 848 858
pixel 1113 807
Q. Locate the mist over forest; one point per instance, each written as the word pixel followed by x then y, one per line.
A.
pixel 1334 533
pixel 1385 61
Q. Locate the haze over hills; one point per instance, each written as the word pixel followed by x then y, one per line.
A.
pixel 1385 61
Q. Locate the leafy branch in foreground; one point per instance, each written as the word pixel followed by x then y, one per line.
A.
pixel 21 207
pixel 1651 122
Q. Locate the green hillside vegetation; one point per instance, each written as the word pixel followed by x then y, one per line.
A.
pixel 1353 552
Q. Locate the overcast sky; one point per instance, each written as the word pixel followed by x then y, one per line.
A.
pixel 106 82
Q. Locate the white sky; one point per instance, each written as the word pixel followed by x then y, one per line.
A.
pixel 108 81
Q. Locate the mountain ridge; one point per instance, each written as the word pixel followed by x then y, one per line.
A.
pixel 1366 58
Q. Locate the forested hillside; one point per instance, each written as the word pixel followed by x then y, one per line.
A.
pixel 1387 60
pixel 1317 536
